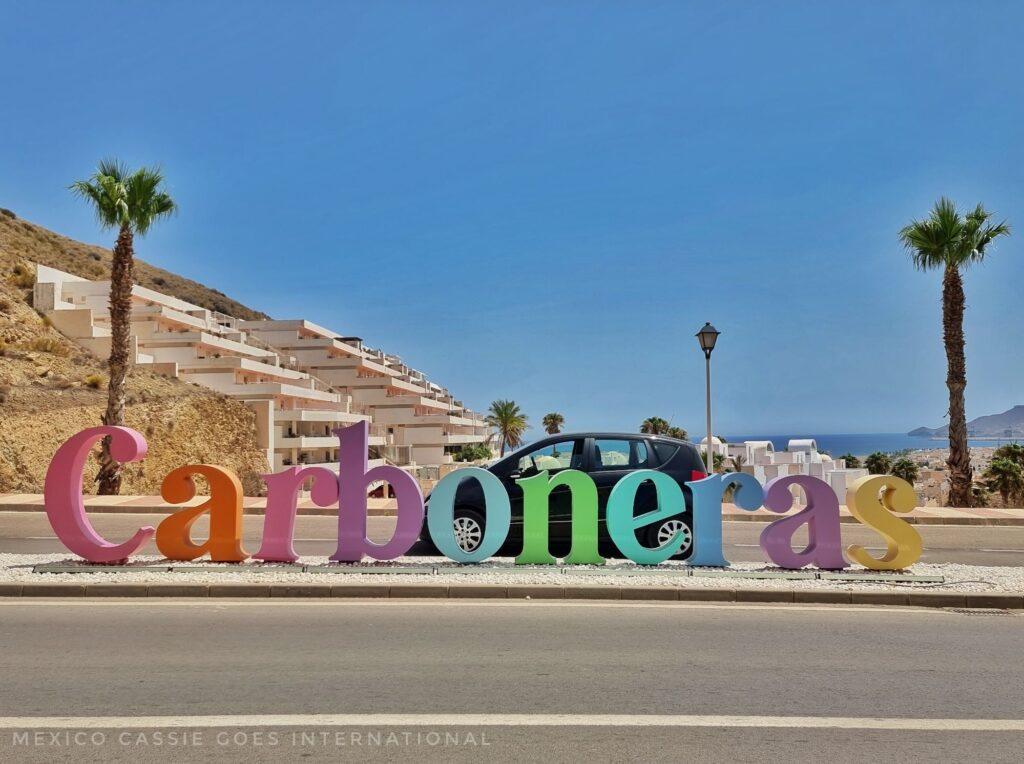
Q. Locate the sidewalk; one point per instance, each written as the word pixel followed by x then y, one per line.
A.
pixel 255 505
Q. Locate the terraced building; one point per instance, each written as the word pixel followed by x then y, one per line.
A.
pixel 301 379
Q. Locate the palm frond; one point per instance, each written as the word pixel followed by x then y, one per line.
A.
pixel 121 197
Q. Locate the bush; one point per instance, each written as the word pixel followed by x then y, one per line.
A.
pixel 5 306
pixel 7 213
pixel 95 381
pixel 473 453
pixel 48 345
pixel 22 276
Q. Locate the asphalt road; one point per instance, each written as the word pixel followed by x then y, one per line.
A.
pixel 630 677
pixel 30 533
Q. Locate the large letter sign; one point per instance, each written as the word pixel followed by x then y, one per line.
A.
pixel 872 500
pixel 536 518
pixel 824 539
pixel 174 534
pixel 622 525
pixel 441 515
pixel 353 481
pixel 707 512
pixel 282 499
pixel 565 496
pixel 62 493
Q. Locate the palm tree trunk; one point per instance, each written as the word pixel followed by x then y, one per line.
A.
pixel 121 280
pixel 503 441
pixel 956 380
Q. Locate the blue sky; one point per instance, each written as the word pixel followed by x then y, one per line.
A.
pixel 544 201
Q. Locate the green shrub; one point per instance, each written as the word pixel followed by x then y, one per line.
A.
pixel 473 453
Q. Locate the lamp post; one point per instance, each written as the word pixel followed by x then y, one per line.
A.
pixel 708 336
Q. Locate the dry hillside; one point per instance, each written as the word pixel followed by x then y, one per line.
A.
pixel 50 389
pixel 28 241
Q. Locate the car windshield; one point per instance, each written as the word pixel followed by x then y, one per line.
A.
pixel 552 457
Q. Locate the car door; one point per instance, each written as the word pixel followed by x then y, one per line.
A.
pixel 611 459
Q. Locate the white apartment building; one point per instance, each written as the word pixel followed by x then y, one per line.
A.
pixel 417 416
pixel 412 422
pixel 801 457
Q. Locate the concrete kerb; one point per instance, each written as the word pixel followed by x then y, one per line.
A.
pixel 1001 601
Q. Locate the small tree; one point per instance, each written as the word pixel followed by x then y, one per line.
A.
pixel 1007 478
pixel 906 469
pixel 553 423
pixel 717 459
pixel 654 425
pixel 509 421
pixel 1012 451
pixel 878 463
pixel 852 462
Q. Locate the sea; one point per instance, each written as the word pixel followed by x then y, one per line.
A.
pixel 861 444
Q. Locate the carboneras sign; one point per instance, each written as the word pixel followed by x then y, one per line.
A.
pixel 875 501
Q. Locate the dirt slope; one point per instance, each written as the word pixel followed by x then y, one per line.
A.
pixel 28 241
pixel 50 389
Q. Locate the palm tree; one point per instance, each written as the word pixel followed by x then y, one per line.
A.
pixel 878 463
pixel 509 421
pixel 1012 451
pixel 1006 477
pixel 950 241
pixel 717 460
pixel 852 462
pixel 553 423
pixel 906 469
pixel 130 201
pixel 654 425
pixel 676 432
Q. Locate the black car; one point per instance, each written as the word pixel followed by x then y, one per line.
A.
pixel 606 458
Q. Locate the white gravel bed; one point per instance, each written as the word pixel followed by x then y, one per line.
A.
pixel 17 568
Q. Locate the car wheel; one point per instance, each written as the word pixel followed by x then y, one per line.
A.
pixel 663 532
pixel 469 530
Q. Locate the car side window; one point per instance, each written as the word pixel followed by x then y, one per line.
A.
pixel 620 454
pixel 566 454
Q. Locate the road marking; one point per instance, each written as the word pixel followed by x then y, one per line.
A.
pixel 136 603
pixel 1019 551
pixel 512 720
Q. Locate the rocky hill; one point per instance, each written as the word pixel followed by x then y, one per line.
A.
pixel 50 388
pixel 1009 424
pixel 28 241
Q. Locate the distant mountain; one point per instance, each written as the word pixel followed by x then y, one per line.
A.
pixel 1009 424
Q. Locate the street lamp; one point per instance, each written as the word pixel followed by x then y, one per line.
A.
pixel 708 336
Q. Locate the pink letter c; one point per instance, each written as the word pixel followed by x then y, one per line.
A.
pixel 62 493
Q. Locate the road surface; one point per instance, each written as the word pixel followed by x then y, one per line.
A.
pixel 30 533
pixel 847 684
